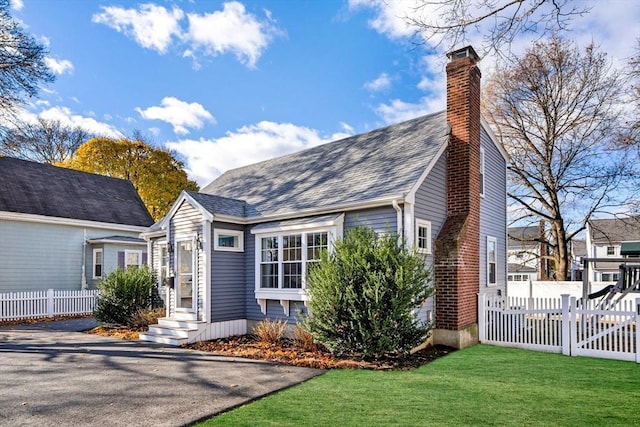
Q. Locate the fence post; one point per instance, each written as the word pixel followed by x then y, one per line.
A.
pixel 50 302
pixel 573 328
pixel 481 318
pixel 564 324
pixel 637 330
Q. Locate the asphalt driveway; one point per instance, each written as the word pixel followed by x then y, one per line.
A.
pixel 50 374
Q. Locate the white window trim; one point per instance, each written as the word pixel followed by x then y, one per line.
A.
pixel 285 295
pixel 93 266
pixel 483 180
pixel 194 271
pixel 424 224
pixel 126 254
pixel 225 232
pixel 495 242
pixel 162 244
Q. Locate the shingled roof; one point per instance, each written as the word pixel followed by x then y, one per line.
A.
pixel 379 164
pixel 615 230
pixel 40 189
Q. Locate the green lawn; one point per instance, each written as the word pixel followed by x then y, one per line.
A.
pixel 481 385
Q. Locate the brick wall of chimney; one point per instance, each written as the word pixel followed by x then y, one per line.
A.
pixel 457 250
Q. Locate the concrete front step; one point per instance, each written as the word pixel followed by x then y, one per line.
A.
pixel 163 339
pixel 172 331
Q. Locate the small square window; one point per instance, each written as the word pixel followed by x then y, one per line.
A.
pixel 611 250
pixel 423 236
pixel 228 240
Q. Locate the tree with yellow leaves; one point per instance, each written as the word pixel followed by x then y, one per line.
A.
pixel 155 173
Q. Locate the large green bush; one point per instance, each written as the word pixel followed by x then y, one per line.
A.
pixel 364 296
pixel 124 293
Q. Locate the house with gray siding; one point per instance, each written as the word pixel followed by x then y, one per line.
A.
pixel 238 251
pixel 65 229
pixel 615 239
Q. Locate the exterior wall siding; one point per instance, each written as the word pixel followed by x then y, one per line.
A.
pixel 36 256
pixel 431 205
pixel 493 215
pixel 382 220
pixel 109 258
pixel 228 278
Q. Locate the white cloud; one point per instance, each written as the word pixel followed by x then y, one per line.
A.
pixel 181 115
pixel 380 83
pixel 67 117
pixel 231 30
pixel 389 19
pixel 208 158
pixel 17 4
pixel 397 111
pixel 151 26
pixel 58 66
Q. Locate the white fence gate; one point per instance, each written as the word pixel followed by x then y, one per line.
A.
pixel 36 304
pixel 562 325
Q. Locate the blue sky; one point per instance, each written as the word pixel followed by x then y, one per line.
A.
pixel 229 83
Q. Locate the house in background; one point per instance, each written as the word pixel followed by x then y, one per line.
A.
pixel 239 251
pixel 578 253
pixel 614 238
pixel 525 248
pixel 65 229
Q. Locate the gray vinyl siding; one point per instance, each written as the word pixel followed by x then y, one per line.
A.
pixel 228 290
pixel 187 224
pixel 36 256
pixel 382 220
pixel 431 205
pixel 493 214
pixel 109 257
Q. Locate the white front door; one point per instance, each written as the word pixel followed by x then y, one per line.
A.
pixel 186 276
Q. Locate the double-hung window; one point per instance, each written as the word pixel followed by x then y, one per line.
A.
pixel 423 236
pixel 286 252
pixel 492 257
pixel 98 263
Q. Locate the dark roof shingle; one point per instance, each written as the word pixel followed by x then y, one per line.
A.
pixel 382 163
pixel 40 189
pixel 615 230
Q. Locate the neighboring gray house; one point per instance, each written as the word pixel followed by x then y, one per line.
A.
pixel 65 229
pixel 611 238
pixel 238 251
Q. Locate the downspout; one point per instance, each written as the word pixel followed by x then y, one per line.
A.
pixel 83 282
pixel 398 209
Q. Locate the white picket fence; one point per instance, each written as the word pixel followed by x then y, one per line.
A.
pixel 562 325
pixel 36 304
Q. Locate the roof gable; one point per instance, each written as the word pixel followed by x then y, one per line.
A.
pixel 39 189
pixel 379 164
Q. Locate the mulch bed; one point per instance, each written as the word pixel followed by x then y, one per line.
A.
pixel 287 352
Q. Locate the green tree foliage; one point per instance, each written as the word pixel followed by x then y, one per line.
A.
pixel 364 295
pixel 123 294
pixel 155 173
pixel 22 63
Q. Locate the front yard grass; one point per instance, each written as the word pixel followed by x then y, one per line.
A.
pixel 481 385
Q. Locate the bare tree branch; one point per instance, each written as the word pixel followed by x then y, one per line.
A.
pixel 557 112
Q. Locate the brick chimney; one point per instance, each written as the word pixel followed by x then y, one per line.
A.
pixel 457 252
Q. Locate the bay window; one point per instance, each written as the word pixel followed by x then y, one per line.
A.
pixel 286 252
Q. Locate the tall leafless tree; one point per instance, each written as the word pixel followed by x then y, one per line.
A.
pixel 43 140
pixel 22 64
pixel 452 22
pixel 556 109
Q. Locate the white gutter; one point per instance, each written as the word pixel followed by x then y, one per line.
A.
pixel 398 209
